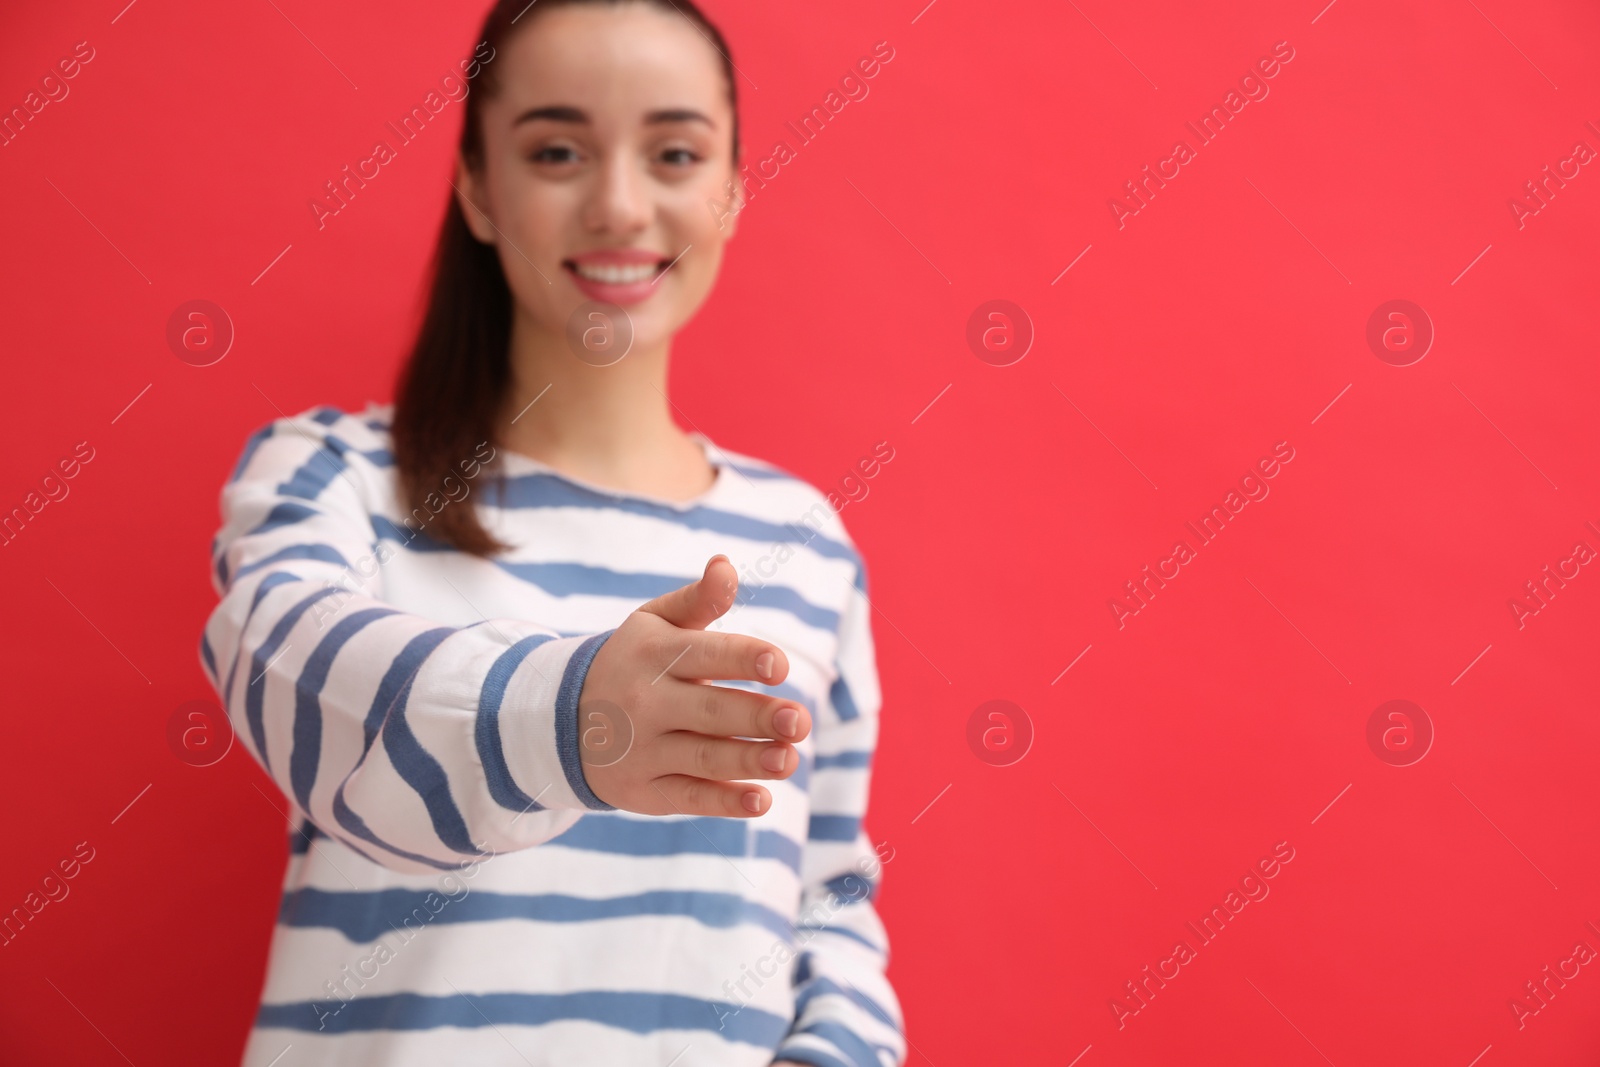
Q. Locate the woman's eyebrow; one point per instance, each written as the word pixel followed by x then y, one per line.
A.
pixel 567 113
pixel 682 114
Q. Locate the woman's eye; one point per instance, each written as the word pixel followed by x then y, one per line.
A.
pixel 554 154
pixel 680 157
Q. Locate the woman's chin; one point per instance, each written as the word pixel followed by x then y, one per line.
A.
pixel 596 330
pixel 602 334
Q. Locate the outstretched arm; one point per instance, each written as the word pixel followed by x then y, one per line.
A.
pixel 424 745
pixel 419 745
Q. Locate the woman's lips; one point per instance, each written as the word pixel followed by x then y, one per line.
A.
pixel 612 282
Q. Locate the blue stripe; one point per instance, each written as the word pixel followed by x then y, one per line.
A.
pixel 266 585
pixel 843 703
pixel 306 754
pixel 325 553
pixel 777 474
pixel 843 931
pixel 326 463
pixel 638 1012
pixel 255 691
pixel 313 476
pixel 553 491
pixel 849 886
pixel 801 778
pixel 405 664
pixel 415 540
pixel 378 457
pixel 563 579
pixel 571 579
pixel 771 845
pixel 812 985
pixel 418 769
pixel 356 825
pixel 671 835
pixel 834 827
pixel 364 917
pixel 207 656
pixel 783 598
pixel 810 1057
pixel 497 773
pixel 284 514
pixel 859 1052
pixel 567 719
pixel 327 415
pixel 252 443
pixel 395 684
pixel 300 840
pixel 854 759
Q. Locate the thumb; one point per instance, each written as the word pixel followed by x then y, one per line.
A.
pixel 702 601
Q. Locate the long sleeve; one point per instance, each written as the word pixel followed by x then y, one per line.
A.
pixel 846 1012
pixel 420 745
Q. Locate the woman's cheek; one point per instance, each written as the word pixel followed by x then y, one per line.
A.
pixel 698 281
pixel 531 254
pixel 688 206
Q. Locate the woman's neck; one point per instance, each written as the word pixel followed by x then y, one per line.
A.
pixel 608 425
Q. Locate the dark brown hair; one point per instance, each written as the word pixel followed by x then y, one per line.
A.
pixel 454 381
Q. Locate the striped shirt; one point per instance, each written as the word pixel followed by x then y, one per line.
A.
pixel 455 892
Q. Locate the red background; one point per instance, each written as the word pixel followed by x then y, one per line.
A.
pixel 1222 319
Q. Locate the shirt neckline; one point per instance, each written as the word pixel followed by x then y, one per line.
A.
pixel 713 454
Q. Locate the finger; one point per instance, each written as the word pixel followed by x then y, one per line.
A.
pixel 686 795
pixel 695 654
pixel 721 759
pixel 701 602
pixel 724 712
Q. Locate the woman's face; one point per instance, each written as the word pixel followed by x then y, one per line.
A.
pixel 606 148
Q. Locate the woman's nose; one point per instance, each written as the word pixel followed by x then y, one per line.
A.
pixel 619 202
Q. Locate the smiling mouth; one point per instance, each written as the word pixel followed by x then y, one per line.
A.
pixel 616 274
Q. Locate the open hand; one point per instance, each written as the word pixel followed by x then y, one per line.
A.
pixel 657 738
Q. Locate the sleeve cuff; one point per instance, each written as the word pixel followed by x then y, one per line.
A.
pixel 572 680
pixel 539 732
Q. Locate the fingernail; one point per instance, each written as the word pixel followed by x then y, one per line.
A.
pixel 773 760
pixel 764 664
pixel 787 721
pixel 752 802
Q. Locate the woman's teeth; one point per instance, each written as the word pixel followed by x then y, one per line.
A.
pixel 617 275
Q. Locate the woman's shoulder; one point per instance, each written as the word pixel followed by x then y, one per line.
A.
pixel 785 500
pixel 784 492
pixel 367 428
pixel 322 434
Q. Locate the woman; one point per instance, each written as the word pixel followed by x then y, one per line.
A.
pixel 566 792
